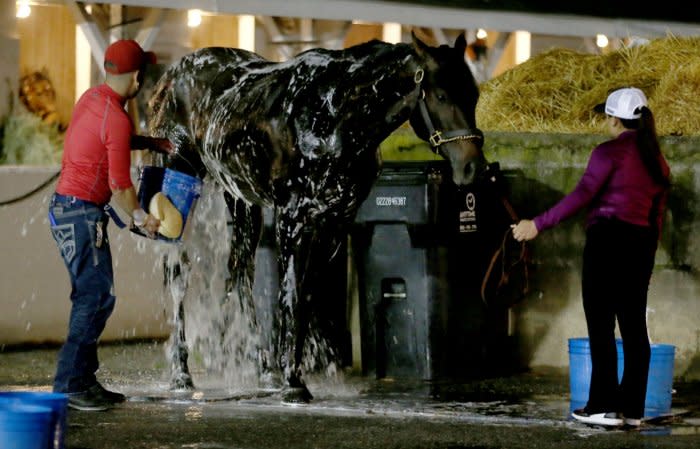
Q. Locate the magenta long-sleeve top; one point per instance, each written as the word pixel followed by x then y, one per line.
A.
pixel 616 184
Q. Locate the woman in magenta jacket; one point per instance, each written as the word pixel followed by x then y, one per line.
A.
pixel 624 188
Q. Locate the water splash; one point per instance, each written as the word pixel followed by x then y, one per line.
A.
pixel 224 336
pixel 217 328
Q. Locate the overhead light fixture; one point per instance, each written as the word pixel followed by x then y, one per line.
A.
pixel 523 46
pixel 23 9
pixel 481 33
pixel 246 32
pixel 194 18
pixel 391 32
pixel 601 40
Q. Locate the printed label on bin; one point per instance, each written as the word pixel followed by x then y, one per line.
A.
pixel 395 203
pixel 390 201
pixel 467 216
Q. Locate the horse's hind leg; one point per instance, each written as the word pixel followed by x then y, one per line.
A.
pixel 176 272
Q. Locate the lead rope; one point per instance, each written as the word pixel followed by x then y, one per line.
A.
pixel 523 258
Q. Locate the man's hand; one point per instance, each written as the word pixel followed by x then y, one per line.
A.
pixel 156 144
pixel 151 226
pixel 146 222
pixel 161 145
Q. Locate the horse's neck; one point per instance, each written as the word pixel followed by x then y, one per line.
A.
pixel 384 87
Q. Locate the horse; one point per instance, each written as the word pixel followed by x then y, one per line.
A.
pixel 301 137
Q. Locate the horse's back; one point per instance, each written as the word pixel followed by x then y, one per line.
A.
pixel 193 84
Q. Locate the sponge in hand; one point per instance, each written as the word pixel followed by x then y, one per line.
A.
pixel 170 218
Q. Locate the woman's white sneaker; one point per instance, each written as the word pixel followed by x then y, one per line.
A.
pixel 612 419
pixel 633 422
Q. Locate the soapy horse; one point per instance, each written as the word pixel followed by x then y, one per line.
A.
pixel 301 137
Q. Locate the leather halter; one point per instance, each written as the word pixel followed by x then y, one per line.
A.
pixel 438 137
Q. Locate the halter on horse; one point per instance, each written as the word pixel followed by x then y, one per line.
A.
pixel 301 137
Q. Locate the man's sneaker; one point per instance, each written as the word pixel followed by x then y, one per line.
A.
pixel 599 419
pixel 86 401
pixel 105 395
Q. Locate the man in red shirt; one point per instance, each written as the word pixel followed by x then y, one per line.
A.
pixel 95 169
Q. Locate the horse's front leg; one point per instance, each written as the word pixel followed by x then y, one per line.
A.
pixel 247 226
pixel 177 268
pixel 294 303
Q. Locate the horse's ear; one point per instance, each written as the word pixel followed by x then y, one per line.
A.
pixel 461 43
pixel 422 49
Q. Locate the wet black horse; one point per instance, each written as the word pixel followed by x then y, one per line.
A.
pixel 302 137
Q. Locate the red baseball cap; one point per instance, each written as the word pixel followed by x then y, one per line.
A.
pixel 126 55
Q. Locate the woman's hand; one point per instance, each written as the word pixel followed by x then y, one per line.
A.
pixel 524 230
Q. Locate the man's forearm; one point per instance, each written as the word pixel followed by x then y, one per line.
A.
pixel 126 200
pixel 157 144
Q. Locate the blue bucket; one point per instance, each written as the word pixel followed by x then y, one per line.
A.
pixel 57 402
pixel 659 384
pixel 25 426
pixel 181 189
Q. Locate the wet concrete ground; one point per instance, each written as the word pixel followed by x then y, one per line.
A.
pixel 529 410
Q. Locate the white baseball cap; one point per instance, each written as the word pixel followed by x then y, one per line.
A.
pixel 624 103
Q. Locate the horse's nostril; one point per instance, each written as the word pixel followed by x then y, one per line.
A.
pixel 469 169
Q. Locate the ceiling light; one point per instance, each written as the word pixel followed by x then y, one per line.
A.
pixel 601 40
pixel 481 33
pixel 194 18
pixel 23 9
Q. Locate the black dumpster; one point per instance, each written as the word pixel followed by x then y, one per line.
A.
pixel 401 262
pixel 429 257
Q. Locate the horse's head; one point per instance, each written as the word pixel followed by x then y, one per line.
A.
pixel 445 115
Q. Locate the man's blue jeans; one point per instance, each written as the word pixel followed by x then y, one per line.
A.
pixel 80 231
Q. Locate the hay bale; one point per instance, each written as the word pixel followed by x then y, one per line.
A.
pixel 676 104
pixel 556 91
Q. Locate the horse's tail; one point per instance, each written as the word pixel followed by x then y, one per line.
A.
pixel 163 95
pixel 169 119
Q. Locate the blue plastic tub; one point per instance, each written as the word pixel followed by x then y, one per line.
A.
pixel 659 385
pixel 57 402
pixel 24 426
pixel 181 189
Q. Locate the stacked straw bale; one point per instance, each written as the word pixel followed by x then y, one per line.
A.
pixel 555 91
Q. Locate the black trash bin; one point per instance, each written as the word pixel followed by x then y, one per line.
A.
pixel 401 262
pixel 429 256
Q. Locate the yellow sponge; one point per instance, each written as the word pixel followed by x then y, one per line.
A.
pixel 170 218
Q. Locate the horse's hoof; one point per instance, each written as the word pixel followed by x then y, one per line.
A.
pixel 297 395
pixel 181 382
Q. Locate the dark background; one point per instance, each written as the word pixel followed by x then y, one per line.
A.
pixel 687 11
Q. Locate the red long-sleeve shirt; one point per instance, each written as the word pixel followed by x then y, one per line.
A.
pixel 616 184
pixel 96 150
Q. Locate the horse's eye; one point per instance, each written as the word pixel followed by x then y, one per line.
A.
pixel 441 97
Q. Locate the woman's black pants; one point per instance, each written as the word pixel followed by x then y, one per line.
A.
pixel 617 263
